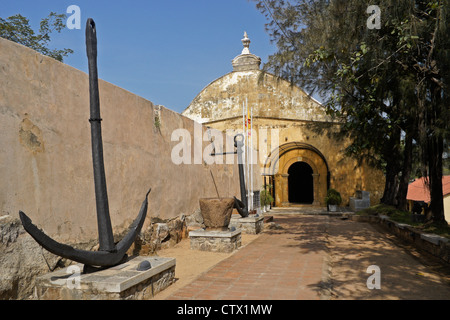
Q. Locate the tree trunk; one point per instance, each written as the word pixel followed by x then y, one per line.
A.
pixel 391 185
pixel 433 152
pixel 392 169
pixel 435 168
pixel 406 172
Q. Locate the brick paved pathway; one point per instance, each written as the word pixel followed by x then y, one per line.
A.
pixel 321 257
pixel 288 263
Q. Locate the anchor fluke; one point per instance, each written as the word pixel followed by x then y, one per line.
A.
pixel 91 258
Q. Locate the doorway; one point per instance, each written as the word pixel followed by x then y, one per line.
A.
pixel 300 183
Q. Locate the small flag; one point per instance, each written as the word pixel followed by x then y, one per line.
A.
pixel 248 122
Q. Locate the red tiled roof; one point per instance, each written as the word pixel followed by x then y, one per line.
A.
pixel 417 190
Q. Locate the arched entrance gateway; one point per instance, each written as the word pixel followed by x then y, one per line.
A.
pixel 299 174
pixel 300 183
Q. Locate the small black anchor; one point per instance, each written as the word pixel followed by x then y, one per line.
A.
pixel 240 205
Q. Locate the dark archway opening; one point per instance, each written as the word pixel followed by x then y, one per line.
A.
pixel 300 183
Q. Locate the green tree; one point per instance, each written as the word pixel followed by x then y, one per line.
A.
pixel 17 28
pixel 388 86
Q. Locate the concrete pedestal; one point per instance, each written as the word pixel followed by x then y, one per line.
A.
pixel 122 282
pixel 215 241
pixel 250 225
pixel 361 201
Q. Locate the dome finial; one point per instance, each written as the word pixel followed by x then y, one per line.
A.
pixel 246 42
pixel 246 61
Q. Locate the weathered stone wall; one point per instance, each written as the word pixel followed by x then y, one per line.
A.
pixel 346 174
pixel 21 260
pixel 279 105
pixel 268 95
pixel 45 151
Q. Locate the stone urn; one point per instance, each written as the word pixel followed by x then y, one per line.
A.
pixel 332 207
pixel 216 212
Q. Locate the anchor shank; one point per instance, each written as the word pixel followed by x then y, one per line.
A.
pixel 239 144
pixel 105 233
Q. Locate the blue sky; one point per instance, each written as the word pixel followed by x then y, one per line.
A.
pixel 165 51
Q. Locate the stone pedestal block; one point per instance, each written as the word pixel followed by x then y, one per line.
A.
pixel 215 241
pixel 361 201
pixel 122 282
pixel 250 225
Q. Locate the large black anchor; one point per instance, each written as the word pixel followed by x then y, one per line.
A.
pixel 109 253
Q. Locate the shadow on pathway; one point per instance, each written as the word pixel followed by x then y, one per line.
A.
pixel 405 274
pixel 312 257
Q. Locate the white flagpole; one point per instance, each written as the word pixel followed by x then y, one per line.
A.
pixel 248 158
pixel 251 162
pixel 243 133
